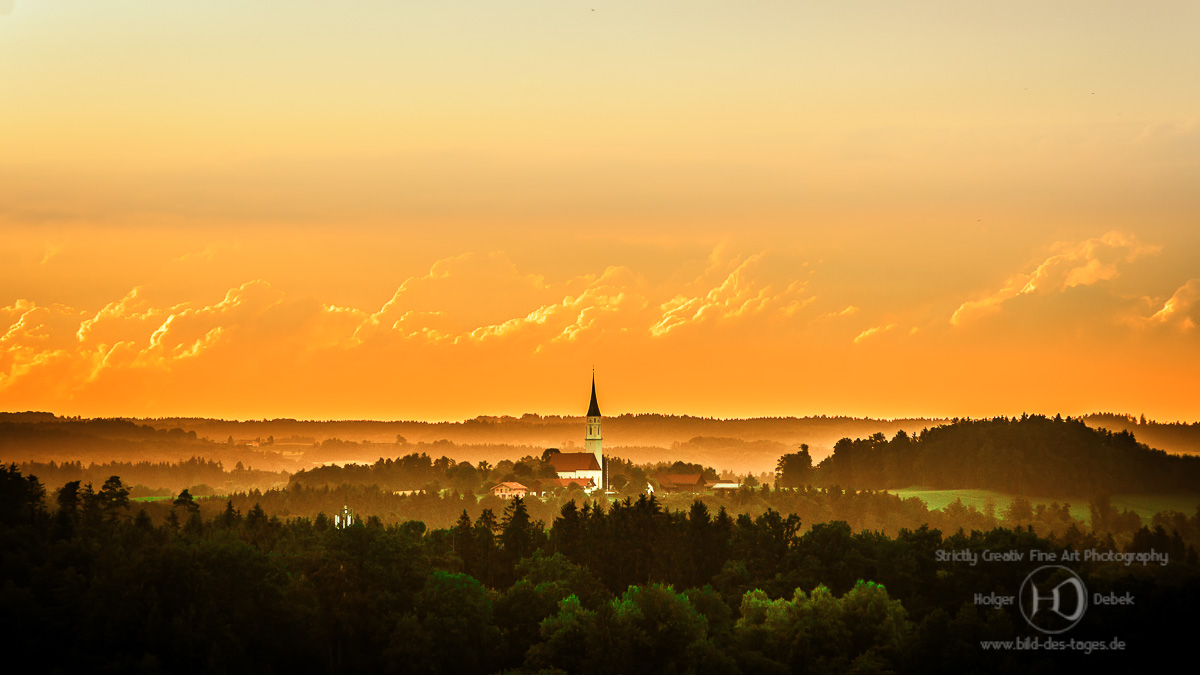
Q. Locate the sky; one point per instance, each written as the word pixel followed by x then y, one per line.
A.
pixel 415 210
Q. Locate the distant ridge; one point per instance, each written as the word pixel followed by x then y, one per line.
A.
pixel 1032 455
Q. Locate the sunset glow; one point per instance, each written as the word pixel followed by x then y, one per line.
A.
pixel 440 210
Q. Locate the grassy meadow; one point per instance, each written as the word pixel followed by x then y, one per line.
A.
pixel 1145 505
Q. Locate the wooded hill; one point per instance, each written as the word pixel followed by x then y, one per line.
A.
pixel 1031 455
pixel 40 437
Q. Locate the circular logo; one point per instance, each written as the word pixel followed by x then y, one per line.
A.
pixel 1053 599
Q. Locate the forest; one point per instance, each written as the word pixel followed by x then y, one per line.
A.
pixel 92 581
pixel 1174 437
pixel 1031 455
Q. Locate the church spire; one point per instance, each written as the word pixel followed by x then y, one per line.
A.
pixel 594 408
pixel 592 441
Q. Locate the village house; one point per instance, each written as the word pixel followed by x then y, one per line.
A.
pixel 509 489
pixel 680 482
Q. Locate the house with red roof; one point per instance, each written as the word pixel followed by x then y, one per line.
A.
pixel 680 482
pixel 509 490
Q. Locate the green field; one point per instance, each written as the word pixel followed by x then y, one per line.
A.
pixel 1145 505
pixel 161 497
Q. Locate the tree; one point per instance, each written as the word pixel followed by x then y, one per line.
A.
pixel 567 534
pixel 142 520
pixel 455 614
pixel 90 503
pixel 20 497
pixel 1103 513
pixel 466 478
pixel 1020 510
pixel 862 630
pixel 68 498
pixel 231 517
pixel 655 630
pixel 566 639
pixel 543 582
pixel 185 500
pixel 794 470
pixel 113 496
pixel 517 536
pixel 256 519
pixel 463 539
pixel 485 551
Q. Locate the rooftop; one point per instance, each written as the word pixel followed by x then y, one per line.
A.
pixel 574 461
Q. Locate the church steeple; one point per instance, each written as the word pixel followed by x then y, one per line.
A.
pixel 592 441
pixel 594 408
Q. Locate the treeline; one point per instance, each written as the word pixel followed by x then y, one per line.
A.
pixel 631 587
pixel 419 471
pixel 1032 455
pixel 1175 437
pixel 550 430
pixel 31 437
pixel 862 510
pixel 706 451
pixel 155 477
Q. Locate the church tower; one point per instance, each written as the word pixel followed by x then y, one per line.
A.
pixel 587 468
pixel 592 440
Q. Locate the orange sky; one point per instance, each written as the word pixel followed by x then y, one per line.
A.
pixel 438 210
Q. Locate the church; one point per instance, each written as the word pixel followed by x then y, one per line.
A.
pixel 588 466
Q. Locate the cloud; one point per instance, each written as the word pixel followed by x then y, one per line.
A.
pixel 51 251
pixel 875 330
pixel 793 307
pixel 187 331
pixel 597 307
pixel 37 338
pixel 124 311
pixel 740 294
pixel 129 333
pixel 1083 264
pixel 473 298
pixel 458 294
pixel 33 325
pixel 468 311
pixel 1181 310
pixel 848 310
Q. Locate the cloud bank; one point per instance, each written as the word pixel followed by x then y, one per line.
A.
pixel 1070 265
